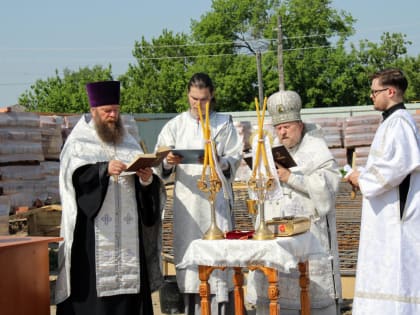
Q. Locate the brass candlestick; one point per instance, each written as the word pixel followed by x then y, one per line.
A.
pixel 260 187
pixel 258 182
pixel 210 183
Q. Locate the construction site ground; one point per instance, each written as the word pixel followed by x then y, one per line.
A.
pixel 348 224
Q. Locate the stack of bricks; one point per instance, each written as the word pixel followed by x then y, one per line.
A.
pixel 332 128
pixel 30 149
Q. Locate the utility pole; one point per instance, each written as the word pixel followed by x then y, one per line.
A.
pixel 280 54
pixel 259 75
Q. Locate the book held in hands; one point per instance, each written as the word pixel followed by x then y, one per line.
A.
pixel 280 156
pixel 189 156
pixel 148 159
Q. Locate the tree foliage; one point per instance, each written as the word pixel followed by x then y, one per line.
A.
pixel 224 42
pixel 313 37
pixel 157 82
pixel 370 57
pixel 65 94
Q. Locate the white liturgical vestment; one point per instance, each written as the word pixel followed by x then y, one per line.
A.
pixel 191 207
pixel 388 266
pixel 309 192
pixel 117 267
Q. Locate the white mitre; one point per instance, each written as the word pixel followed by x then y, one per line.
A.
pixel 284 106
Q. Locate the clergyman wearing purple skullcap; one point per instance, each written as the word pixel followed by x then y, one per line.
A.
pixel 103 93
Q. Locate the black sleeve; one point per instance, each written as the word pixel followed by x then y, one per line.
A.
pixel 148 201
pixel 166 172
pixel 227 172
pixel 91 184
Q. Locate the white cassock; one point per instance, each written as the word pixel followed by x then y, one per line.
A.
pixel 191 207
pixel 311 192
pixel 388 266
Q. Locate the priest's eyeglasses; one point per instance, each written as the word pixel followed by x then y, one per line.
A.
pixel 374 93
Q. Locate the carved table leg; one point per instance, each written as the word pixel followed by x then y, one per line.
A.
pixel 238 281
pixel 204 274
pixel 273 289
pixel 304 288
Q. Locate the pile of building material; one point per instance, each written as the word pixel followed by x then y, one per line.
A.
pixel 29 156
pixel 4 215
pixel 345 136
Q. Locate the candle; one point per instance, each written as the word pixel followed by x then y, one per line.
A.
pixel 203 128
pixel 208 146
pixel 260 150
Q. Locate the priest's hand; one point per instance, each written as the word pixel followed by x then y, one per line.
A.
pixel 353 178
pixel 173 159
pixel 145 174
pixel 283 173
pixel 116 167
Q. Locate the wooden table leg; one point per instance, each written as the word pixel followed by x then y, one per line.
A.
pixel 238 281
pixel 204 274
pixel 273 289
pixel 304 288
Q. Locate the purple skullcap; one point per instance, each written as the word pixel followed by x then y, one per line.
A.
pixel 103 93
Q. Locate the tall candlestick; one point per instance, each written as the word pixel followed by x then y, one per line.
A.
pixel 259 182
pixel 209 182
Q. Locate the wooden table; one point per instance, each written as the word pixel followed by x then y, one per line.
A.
pixel 24 275
pixel 267 256
pixel 238 281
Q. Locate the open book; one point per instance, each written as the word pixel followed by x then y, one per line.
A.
pixel 189 156
pixel 148 159
pixel 280 155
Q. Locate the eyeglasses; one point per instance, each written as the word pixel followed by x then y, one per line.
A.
pixel 374 93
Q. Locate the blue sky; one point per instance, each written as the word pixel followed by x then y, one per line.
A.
pixel 37 37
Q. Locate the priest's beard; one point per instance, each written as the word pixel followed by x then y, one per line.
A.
pixel 109 132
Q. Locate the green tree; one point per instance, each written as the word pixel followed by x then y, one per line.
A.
pixel 314 57
pixel 224 42
pixel 66 94
pixel 370 57
pixel 313 37
pixel 411 67
pixel 231 34
pixel 157 83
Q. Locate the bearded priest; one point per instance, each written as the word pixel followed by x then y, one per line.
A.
pixel 111 219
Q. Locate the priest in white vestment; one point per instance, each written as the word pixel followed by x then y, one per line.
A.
pixel 191 207
pixel 308 190
pixel 109 260
pixel 388 265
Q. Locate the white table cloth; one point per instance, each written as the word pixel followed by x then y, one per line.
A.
pixel 282 253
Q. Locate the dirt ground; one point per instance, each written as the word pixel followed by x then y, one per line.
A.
pixel 346 308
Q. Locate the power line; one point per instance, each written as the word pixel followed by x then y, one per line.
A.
pixel 114 48
pixel 15 84
pixel 232 54
pixel 239 41
pixel 64 48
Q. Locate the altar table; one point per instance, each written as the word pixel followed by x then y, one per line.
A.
pixel 280 254
pixel 24 275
